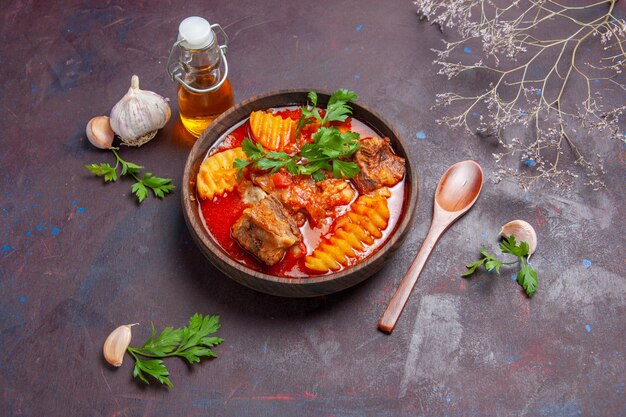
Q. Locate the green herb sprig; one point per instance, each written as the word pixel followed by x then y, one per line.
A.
pixel 329 150
pixel 191 343
pixel 159 186
pixel 526 276
pixel 337 109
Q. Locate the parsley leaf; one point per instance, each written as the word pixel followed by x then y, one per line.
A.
pixel 308 116
pixel 318 176
pixel 191 343
pixel 240 164
pixel 471 267
pixel 269 163
pixel 488 260
pixel 338 109
pixel 344 169
pixel 272 161
pixel 154 368
pixel 341 96
pixel 130 168
pixel 526 277
pixel 159 186
pixel 492 265
pixel 103 170
pixel 165 343
pixel 252 150
pixel 508 245
pixel 140 191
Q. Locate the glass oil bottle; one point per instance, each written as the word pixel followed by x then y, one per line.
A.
pixel 195 63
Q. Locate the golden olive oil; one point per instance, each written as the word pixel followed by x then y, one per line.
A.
pixel 197 111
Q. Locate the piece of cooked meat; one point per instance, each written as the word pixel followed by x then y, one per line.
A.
pixel 335 192
pixel 250 193
pixel 325 196
pixel 304 197
pixel 378 165
pixel 266 230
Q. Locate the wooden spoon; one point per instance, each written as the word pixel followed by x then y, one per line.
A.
pixel 456 193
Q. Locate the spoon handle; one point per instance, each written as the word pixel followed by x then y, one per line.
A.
pixel 389 318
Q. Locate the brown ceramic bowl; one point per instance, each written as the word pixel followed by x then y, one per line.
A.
pixel 291 287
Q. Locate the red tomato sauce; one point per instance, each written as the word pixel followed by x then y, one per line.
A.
pixel 221 212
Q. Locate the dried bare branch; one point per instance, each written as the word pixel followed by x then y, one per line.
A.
pixel 536 52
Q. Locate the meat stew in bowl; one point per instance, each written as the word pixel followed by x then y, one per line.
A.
pixel 300 192
pixel 299 206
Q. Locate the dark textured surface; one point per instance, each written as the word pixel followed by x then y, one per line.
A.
pixel 78 258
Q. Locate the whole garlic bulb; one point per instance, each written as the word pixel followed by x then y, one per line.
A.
pixel 138 116
pixel 523 232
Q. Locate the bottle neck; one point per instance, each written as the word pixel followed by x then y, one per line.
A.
pixel 201 66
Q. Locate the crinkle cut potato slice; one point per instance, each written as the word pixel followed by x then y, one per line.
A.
pixel 217 175
pixel 272 131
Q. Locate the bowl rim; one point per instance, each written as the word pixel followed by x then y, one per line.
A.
pixel 401 228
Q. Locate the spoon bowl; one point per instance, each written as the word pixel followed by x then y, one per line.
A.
pixel 456 193
pixel 459 187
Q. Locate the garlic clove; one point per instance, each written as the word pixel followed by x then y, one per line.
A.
pixel 99 132
pixel 523 232
pixel 138 116
pixel 116 344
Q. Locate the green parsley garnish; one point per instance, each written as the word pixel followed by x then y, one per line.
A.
pixel 526 276
pixel 337 109
pixel 324 153
pixel 159 186
pixel 190 343
pixel 329 150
